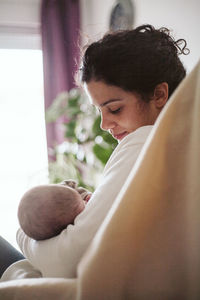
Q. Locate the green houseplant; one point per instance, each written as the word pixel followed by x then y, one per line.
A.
pixel 87 148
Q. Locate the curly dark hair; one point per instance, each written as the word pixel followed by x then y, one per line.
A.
pixel 136 60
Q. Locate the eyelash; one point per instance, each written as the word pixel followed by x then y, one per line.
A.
pixel 116 111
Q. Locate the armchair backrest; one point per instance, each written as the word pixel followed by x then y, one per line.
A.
pixel 149 245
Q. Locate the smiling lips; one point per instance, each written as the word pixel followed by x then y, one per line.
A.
pixel 120 136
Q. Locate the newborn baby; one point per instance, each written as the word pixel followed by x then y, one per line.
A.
pixel 45 210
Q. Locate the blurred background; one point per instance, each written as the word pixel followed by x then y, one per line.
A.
pixel 39 54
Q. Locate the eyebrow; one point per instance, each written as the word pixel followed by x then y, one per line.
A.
pixel 110 101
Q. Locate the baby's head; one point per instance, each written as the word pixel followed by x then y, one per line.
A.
pixel 44 211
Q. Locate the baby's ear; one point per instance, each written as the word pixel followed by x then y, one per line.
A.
pixel 71 183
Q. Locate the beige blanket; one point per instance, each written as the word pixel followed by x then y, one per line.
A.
pixel 149 245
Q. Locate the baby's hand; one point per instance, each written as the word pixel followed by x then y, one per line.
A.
pixel 71 183
pixel 85 194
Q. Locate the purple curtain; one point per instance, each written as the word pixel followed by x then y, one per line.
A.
pixel 60 26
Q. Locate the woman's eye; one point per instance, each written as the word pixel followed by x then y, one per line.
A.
pixel 115 111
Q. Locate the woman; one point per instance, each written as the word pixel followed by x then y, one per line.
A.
pixel 128 76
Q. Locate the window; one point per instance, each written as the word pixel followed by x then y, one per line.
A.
pixel 23 151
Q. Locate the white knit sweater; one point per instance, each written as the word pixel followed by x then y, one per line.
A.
pixel 60 255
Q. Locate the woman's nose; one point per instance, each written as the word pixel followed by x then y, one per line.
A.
pixel 106 122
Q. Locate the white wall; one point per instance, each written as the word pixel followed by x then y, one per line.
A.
pixel 23 16
pixel 94 18
pixel 180 15
pixel 20 24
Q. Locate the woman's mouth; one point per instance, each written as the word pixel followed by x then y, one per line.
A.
pixel 120 136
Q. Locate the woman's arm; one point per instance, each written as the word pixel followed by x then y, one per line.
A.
pixel 59 256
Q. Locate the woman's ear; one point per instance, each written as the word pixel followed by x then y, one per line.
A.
pixel 161 94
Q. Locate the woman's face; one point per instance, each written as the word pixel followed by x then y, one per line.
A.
pixel 122 112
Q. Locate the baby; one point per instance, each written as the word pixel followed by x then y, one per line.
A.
pixel 45 210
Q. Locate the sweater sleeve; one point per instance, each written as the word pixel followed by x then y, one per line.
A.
pixel 60 255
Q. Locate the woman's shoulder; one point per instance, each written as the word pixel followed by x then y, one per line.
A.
pixel 138 136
